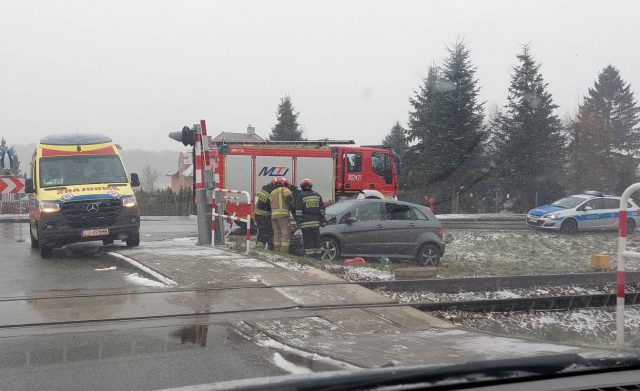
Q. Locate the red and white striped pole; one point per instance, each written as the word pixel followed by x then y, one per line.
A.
pixel 205 139
pixel 198 161
pixel 248 237
pixel 622 254
pixel 213 221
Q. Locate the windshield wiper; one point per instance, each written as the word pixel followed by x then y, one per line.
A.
pixel 428 375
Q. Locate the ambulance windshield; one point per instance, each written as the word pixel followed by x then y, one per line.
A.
pixel 81 170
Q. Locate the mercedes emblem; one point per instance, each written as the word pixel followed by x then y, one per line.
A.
pixel 93 207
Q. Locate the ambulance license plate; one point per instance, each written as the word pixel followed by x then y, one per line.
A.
pixel 88 233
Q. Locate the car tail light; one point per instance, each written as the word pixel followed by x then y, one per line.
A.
pixel 440 231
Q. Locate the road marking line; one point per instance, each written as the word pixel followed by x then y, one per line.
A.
pixel 163 279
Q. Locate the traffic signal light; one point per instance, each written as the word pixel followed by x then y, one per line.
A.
pixel 187 136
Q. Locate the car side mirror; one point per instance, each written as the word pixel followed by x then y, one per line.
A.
pixel 587 208
pixel 135 181
pixel 351 220
pixel 28 186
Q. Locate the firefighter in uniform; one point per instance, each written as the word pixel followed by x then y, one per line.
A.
pixel 309 216
pixel 281 204
pixel 263 215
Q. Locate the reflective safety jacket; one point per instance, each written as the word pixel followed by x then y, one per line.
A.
pixel 263 205
pixel 281 202
pixel 309 209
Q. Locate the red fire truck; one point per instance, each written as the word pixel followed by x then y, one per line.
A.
pixel 338 169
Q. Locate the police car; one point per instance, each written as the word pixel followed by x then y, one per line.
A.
pixel 586 211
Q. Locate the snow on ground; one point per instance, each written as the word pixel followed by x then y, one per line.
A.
pixel 583 327
pixel 288 366
pixel 106 268
pixel 359 273
pixel 139 280
pixel 433 297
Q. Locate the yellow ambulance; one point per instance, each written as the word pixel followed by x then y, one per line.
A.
pixel 79 191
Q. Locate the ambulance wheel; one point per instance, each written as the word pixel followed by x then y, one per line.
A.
pixel 34 242
pixel 569 226
pixel 631 225
pixel 46 251
pixel 133 240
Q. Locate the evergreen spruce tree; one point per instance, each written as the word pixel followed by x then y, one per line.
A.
pixel 605 136
pixel 396 139
pixel 15 167
pixel 287 127
pixel 447 122
pixel 528 146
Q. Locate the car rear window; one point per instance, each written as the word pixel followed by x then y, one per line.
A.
pixel 610 203
pixel 420 215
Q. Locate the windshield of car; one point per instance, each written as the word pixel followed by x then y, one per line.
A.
pixel 301 187
pixel 568 202
pixel 81 170
pixel 339 207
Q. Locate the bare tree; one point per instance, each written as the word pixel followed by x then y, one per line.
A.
pixel 149 178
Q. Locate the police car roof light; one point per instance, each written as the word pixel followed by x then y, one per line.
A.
pixel 593 193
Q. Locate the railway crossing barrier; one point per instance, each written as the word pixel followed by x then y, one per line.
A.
pixel 221 215
pixel 622 254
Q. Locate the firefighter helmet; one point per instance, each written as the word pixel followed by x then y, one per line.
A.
pixel 306 184
pixel 279 182
pixel 273 181
pixel 283 182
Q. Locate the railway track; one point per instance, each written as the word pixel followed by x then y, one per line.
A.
pixel 557 302
pixel 548 303
pixel 441 285
pixel 455 285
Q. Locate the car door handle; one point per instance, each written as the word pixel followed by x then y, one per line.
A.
pixel 412 224
pixel 379 226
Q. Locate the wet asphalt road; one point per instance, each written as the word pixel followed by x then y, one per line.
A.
pixel 74 267
pixel 135 356
pixel 144 358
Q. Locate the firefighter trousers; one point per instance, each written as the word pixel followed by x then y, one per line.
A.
pixel 265 232
pixel 281 234
pixel 311 238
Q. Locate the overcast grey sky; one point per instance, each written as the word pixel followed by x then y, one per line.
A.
pixel 138 69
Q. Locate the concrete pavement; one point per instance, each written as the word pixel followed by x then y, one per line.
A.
pixel 366 333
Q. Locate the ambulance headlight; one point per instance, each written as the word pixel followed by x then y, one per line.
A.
pixel 551 215
pixel 49 207
pixel 129 201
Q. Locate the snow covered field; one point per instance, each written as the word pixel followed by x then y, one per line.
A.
pixel 494 253
pixel 473 252
pixel 583 327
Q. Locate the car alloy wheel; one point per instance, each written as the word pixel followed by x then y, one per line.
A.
pixel 429 255
pixel 328 249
